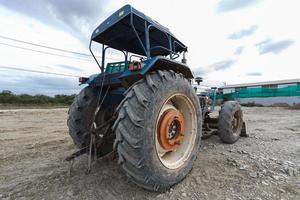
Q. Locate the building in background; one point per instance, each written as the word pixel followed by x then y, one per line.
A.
pixel 263 93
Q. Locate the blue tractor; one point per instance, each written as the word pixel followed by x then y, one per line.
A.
pixel 142 108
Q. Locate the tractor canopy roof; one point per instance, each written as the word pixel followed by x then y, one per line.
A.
pixel 128 29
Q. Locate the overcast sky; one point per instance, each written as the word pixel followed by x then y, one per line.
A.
pixel 232 41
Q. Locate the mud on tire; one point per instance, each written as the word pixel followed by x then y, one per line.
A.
pixel 135 130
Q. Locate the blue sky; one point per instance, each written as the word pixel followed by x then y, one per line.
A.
pixel 232 41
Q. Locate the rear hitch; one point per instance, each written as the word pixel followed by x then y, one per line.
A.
pixel 95 142
pixel 77 154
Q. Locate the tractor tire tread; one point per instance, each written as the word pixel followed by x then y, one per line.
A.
pixel 75 117
pixel 225 121
pixel 128 143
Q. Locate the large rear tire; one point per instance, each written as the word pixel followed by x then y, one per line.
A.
pixel 230 122
pixel 80 119
pixel 153 155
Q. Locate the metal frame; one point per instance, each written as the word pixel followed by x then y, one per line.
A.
pixel 104 48
pixel 146 47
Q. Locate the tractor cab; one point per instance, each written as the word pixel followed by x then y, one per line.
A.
pixel 145 45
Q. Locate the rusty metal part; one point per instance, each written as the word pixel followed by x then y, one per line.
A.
pixel 237 122
pixel 171 129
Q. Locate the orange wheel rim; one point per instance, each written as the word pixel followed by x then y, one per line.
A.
pixel 171 129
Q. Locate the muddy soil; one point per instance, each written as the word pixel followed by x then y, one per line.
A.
pixel 35 142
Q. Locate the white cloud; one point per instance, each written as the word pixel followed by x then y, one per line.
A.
pixel 243 33
pixel 197 24
pixel 231 5
pixel 29 29
pixel 268 46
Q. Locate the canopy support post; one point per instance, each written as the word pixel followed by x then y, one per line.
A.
pixel 147 41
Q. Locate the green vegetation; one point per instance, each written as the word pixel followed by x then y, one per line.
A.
pixel 8 98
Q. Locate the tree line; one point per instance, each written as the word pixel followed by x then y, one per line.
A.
pixel 7 97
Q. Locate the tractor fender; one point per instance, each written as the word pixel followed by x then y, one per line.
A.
pixel 129 77
pixel 163 63
pixel 154 64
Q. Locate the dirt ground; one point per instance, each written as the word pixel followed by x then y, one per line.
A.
pixel 35 142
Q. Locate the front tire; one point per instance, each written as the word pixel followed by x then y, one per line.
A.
pixel 230 122
pixel 147 110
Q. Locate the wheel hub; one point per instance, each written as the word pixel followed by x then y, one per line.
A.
pixel 171 129
pixel 236 122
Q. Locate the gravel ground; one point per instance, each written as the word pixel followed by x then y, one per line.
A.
pixel 35 142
